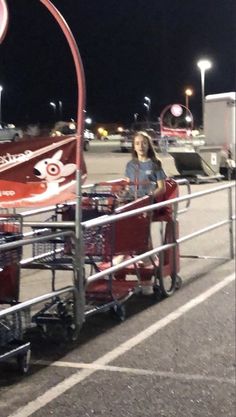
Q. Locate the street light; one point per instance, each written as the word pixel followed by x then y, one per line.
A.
pixel 1 88
pixel 88 120
pixel 135 117
pixel 148 104
pixel 188 93
pixel 53 105
pixel 203 65
pixel 148 100
pixel 148 107
pixel 60 108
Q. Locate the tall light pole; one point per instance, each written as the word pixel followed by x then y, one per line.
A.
pixel 203 65
pixel 147 104
pixel 1 88
pixel 60 108
pixel 188 93
pixel 3 30
pixel 53 105
pixel 135 117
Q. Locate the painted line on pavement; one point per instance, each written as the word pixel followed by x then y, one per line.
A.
pixel 79 376
pixel 138 371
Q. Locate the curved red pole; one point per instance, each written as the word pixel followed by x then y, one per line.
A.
pixel 79 255
pixel 3 19
pixel 79 74
pixel 167 108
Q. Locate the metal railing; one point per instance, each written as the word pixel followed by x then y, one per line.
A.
pixel 175 201
pixel 109 219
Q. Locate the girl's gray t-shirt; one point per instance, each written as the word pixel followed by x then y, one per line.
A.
pixel 145 176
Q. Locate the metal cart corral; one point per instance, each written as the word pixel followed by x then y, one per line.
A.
pixel 108 281
pixel 12 325
pixel 109 244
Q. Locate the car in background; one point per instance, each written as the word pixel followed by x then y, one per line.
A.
pixel 88 134
pixel 69 128
pixel 160 142
pixel 126 140
pixel 127 137
pixel 9 133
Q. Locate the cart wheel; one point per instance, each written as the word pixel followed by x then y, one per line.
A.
pixel 167 285
pixel 118 312
pixel 23 362
pixel 73 333
pixel 157 293
pixel 56 332
pixel 178 283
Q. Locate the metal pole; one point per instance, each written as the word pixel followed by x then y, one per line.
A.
pixel 231 233
pixel 79 255
pixel 203 95
pixel 174 239
pixel 148 112
pixel 60 108
pixel 1 105
pixel 186 101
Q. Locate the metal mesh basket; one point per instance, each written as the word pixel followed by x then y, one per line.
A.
pixel 98 240
pixel 48 251
pixel 13 326
pixel 10 231
pixel 9 256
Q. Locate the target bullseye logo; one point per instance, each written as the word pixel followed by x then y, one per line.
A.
pixel 53 169
pixel 176 110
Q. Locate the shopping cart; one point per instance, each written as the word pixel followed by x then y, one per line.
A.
pixel 12 324
pixel 108 244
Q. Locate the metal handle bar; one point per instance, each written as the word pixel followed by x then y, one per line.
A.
pixel 36 300
pixel 184 181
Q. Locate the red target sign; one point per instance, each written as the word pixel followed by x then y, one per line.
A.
pixel 176 110
pixel 53 169
pixel 3 19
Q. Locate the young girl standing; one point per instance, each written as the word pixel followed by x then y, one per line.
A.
pixel 144 172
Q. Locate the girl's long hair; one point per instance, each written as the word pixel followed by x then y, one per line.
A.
pixel 151 154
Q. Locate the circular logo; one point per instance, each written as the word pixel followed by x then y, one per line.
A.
pixel 3 19
pixel 176 110
pixel 53 169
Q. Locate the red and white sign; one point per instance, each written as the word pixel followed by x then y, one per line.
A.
pixel 3 19
pixel 38 172
pixel 178 133
pixel 176 110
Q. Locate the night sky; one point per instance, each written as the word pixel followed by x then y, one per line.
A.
pixel 129 48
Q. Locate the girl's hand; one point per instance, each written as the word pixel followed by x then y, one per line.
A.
pixel 161 188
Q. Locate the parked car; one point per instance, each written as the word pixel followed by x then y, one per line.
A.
pixel 69 128
pixel 127 137
pixel 126 140
pixel 8 132
pixel 160 143
pixel 88 134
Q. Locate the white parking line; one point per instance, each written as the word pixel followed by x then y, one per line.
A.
pixel 138 371
pixel 79 376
